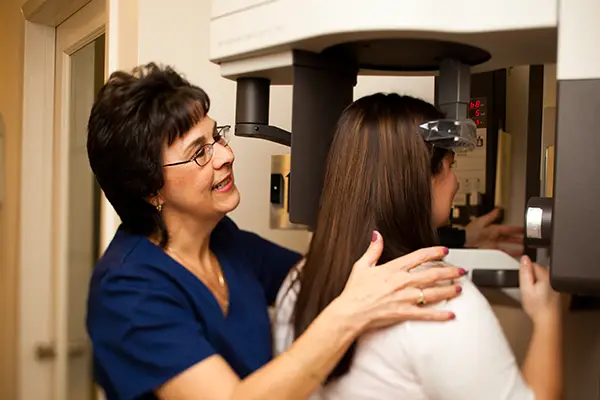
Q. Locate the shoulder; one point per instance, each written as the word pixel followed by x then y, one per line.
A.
pixel 132 290
pixel 132 277
pixel 473 343
pixel 132 261
pixel 260 251
pixel 472 310
pixel 475 326
pixel 470 299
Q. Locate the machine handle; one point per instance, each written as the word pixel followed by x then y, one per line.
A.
pixel 495 278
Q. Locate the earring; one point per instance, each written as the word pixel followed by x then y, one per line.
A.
pixel 159 206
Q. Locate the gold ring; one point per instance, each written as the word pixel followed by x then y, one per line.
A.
pixel 421 301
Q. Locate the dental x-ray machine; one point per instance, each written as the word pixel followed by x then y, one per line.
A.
pixel 320 46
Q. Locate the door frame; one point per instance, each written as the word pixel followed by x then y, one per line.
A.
pixel 37 235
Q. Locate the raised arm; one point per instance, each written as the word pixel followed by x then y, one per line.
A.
pixel 373 297
pixel 542 367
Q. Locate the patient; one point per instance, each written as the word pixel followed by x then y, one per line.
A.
pixel 383 175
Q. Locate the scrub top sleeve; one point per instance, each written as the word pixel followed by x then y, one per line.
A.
pixel 271 262
pixel 143 333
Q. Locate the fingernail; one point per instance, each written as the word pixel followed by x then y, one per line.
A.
pixel 451 315
pixel 458 289
pixel 463 271
pixel 374 237
pixel 446 250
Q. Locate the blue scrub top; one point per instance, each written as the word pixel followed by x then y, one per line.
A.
pixel 149 318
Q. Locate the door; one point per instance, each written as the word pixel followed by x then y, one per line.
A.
pixel 79 73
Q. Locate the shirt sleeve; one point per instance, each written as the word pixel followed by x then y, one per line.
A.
pixel 271 262
pixel 143 332
pixel 468 358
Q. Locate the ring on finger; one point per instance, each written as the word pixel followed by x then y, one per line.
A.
pixel 421 300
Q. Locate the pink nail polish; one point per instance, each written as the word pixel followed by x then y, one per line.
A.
pixel 463 271
pixel 374 237
pixel 452 315
pixel 446 250
pixel 458 289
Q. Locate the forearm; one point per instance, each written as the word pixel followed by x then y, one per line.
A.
pixel 542 368
pixel 297 373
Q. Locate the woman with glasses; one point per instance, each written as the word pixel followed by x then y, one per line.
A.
pixel 178 302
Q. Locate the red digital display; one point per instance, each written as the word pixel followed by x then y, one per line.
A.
pixel 477 112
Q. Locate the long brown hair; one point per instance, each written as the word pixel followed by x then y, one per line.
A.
pixel 378 177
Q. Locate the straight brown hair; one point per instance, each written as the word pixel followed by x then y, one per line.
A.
pixel 378 177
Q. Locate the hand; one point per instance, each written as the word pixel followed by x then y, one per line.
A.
pixel 386 294
pixel 482 233
pixel 540 301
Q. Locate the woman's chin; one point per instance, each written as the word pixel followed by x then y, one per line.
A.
pixel 230 202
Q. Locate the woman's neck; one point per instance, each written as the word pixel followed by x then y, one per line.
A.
pixel 188 238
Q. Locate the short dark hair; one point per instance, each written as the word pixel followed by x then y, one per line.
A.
pixel 134 115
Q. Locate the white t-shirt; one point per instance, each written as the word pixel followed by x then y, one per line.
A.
pixel 465 359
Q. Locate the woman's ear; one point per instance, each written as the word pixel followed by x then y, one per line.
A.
pixel 156 201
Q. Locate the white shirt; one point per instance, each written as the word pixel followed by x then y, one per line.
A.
pixel 464 359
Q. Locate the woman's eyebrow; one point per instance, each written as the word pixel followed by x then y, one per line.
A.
pixel 199 141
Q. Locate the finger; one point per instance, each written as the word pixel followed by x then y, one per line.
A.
pixel 514 239
pixel 541 274
pixel 526 279
pixel 371 256
pixel 513 251
pixel 510 230
pixel 416 313
pixel 418 257
pixel 431 295
pixel 435 275
pixel 489 218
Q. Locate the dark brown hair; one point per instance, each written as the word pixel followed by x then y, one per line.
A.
pixel 134 115
pixel 377 177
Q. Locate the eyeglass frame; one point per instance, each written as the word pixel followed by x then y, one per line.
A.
pixel 209 147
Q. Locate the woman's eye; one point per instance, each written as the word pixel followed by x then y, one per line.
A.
pixel 200 153
pixel 217 137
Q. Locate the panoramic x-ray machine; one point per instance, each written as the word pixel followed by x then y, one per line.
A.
pixel 320 46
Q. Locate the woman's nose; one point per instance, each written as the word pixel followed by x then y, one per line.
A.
pixel 222 155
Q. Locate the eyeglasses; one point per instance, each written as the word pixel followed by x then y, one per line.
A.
pixel 205 153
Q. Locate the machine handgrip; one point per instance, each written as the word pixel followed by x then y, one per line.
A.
pixel 495 278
